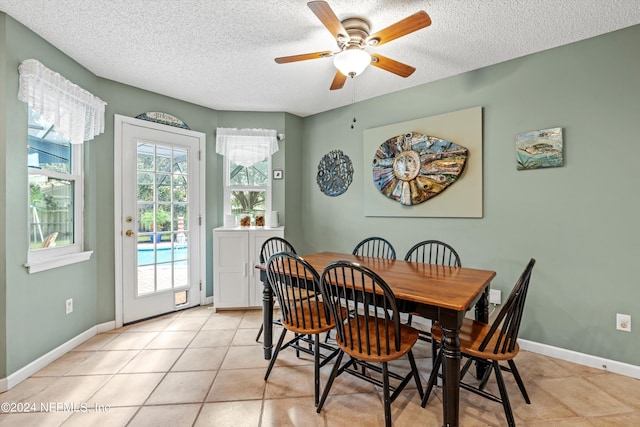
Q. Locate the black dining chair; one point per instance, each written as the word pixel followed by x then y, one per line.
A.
pixel 372 335
pixel 490 344
pixel 375 247
pixel 432 252
pixel 268 248
pixel 294 282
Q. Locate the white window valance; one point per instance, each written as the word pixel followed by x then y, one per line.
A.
pixel 76 113
pixel 246 147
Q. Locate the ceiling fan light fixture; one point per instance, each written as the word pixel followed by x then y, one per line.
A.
pixel 352 62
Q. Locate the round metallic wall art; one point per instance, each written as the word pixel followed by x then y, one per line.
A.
pixel 412 168
pixel 335 173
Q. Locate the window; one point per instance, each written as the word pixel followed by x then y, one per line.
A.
pixel 55 191
pixel 247 189
pixel 61 116
pixel 247 170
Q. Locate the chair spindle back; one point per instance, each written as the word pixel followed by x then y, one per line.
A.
pixel 274 245
pixel 295 283
pixel 434 252
pixel 504 330
pixel 374 329
pixel 375 247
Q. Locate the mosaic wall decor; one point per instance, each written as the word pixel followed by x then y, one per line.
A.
pixel 335 173
pixel 412 168
pixel 163 118
pixel 463 200
pixel 539 149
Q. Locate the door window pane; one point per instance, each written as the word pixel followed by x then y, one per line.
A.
pixel 145 187
pixel 180 164
pixel 180 189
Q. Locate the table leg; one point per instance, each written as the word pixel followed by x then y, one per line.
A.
pixel 482 315
pixel 451 370
pixel 267 315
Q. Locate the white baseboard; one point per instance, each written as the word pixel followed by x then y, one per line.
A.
pixel 208 300
pixel 33 367
pixel 581 358
pixel 106 326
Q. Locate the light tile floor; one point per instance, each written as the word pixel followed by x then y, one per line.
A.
pixel 197 368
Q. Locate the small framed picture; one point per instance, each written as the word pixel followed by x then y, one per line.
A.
pixel 277 174
pixel 539 149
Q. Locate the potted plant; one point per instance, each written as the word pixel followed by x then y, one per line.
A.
pixel 162 221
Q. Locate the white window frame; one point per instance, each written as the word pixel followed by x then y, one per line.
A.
pixel 79 115
pixel 41 259
pixel 228 188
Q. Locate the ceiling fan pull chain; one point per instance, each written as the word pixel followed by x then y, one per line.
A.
pixel 353 101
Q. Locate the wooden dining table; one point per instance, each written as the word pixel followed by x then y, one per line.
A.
pixel 432 291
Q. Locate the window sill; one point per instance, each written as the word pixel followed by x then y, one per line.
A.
pixel 59 261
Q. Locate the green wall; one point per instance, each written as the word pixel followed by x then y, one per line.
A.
pixel 579 221
pixel 292 181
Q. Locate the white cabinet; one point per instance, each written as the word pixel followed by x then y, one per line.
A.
pixel 236 251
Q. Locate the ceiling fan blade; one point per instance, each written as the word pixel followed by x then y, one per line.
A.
pixel 328 18
pixel 303 57
pixel 338 81
pixel 391 65
pixel 401 28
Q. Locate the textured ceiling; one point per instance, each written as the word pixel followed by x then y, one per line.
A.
pixel 219 53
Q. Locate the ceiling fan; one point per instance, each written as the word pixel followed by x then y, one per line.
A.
pixel 352 36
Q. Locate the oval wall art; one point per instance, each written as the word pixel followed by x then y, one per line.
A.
pixel 412 168
pixel 335 172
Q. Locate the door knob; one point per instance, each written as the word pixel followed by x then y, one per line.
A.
pixel 129 233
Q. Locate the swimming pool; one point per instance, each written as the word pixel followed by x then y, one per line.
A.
pixel 146 256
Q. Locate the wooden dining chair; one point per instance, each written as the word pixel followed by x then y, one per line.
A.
pixel 294 282
pixel 490 344
pixel 373 336
pixel 375 247
pixel 268 248
pixel 432 252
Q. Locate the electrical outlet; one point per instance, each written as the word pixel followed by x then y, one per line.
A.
pixel 623 322
pixel 495 296
pixel 69 305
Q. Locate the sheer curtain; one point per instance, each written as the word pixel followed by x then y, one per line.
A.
pixel 76 113
pixel 246 147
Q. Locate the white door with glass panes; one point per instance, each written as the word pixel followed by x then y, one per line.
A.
pixel 161 239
